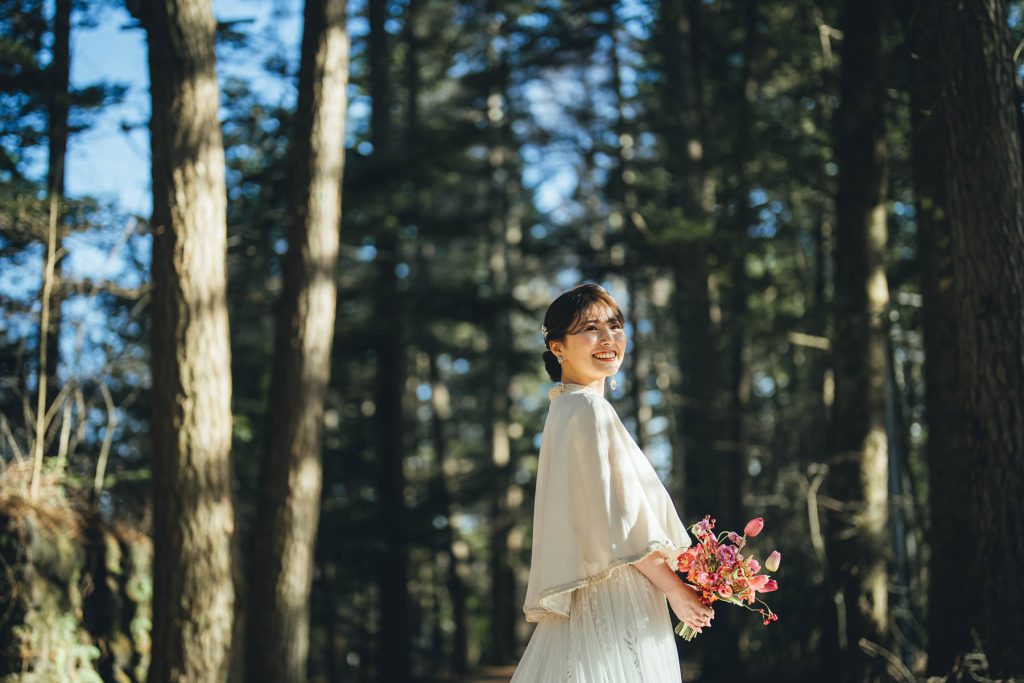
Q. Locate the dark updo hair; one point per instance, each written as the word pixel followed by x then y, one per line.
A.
pixel 567 315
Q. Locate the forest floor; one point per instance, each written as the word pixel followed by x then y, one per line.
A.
pixel 489 674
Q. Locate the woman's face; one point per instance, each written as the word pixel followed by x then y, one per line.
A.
pixel 595 351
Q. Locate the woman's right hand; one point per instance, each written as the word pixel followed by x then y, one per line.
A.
pixel 689 609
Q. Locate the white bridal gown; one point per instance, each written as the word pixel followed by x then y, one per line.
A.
pixel 599 509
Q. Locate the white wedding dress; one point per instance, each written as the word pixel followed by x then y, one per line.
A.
pixel 599 508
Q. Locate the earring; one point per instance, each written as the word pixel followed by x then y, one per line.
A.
pixel 613 384
pixel 561 384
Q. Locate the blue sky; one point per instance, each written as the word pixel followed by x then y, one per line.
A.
pixel 106 162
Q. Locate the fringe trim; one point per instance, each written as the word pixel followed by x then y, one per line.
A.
pixel 668 549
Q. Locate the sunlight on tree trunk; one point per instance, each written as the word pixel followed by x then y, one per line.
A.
pixel 193 507
pixel 277 646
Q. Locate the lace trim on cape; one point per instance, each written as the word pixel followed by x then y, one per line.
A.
pixel 669 550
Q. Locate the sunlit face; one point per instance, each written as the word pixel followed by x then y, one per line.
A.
pixel 593 352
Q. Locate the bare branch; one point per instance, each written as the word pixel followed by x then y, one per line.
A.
pixel 108 438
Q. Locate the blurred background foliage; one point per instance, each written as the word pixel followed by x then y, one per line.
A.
pixel 683 154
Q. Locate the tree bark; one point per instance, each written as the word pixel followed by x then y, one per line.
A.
pixel 499 332
pixel 949 532
pixel 700 385
pixel 978 376
pixel 289 507
pixel 193 510
pixel 857 540
pixel 59 74
pixel 393 561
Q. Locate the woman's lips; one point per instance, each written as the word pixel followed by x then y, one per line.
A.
pixel 606 360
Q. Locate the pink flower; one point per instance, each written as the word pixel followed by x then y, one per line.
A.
pixel 770 586
pixel 725 590
pixel 772 563
pixel 754 565
pixel 753 527
pixel 758 582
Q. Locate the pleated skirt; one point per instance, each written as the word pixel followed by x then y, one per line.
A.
pixel 618 631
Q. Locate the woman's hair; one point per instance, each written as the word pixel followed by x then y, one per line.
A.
pixel 567 315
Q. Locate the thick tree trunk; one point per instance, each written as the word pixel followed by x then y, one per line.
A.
pixel 277 646
pixel 393 561
pixel 193 510
pixel 979 272
pixel 857 538
pixel 947 469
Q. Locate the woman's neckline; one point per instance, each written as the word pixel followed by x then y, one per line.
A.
pixel 569 387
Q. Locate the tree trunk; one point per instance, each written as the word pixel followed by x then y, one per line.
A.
pixel 393 562
pixel 857 538
pixel 289 506
pixel 980 274
pixel 947 469
pixel 193 510
pixel 499 333
pixel 59 73
pixel 700 381
pixel 946 427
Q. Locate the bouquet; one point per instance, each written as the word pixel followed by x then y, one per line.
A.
pixel 719 571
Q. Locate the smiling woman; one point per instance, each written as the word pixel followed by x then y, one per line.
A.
pixel 604 527
pixel 584 335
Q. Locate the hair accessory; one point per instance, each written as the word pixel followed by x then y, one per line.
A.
pixel 544 330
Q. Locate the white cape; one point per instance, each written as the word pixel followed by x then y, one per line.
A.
pixel 599 503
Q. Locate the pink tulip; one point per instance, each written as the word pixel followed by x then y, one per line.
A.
pixel 772 563
pixel 758 582
pixel 753 527
pixel 770 586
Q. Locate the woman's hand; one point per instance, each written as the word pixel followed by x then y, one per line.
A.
pixel 689 609
pixel 682 597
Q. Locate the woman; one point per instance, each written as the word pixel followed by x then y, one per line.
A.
pixel 603 524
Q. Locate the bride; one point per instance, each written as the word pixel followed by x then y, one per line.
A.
pixel 603 524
